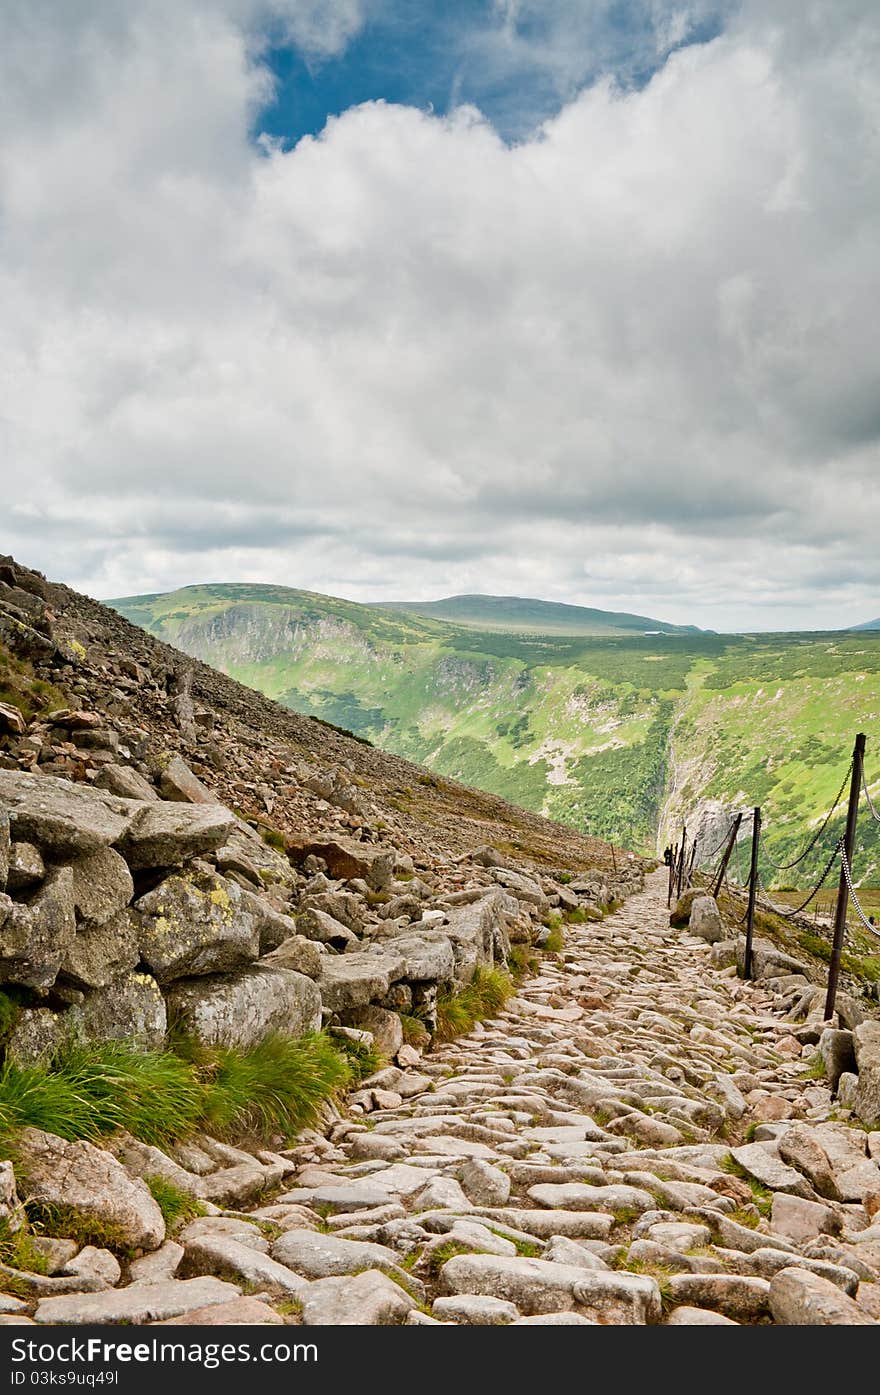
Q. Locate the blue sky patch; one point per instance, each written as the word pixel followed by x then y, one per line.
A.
pixel 518 61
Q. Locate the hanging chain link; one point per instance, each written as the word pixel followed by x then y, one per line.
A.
pixel 847 872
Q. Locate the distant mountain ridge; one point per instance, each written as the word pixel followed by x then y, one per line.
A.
pixel 868 625
pixel 619 734
pixel 527 614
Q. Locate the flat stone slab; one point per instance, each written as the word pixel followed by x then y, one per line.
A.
pixel 138 1303
pixel 771 1171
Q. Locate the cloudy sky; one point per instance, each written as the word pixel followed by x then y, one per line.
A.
pixel 401 298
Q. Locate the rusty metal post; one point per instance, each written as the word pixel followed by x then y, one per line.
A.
pixel 719 880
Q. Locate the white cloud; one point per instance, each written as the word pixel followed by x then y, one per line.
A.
pixel 625 361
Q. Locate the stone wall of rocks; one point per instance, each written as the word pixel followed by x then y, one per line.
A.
pixel 121 914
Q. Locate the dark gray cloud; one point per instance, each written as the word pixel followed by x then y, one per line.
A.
pixel 628 357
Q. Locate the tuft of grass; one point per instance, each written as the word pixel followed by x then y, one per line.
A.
pixel 527 1249
pixel 155 1095
pixel 483 997
pixel 415 1033
pixel 69 1223
pixel 273 838
pixel 438 1257
pixel 177 1206
pixel 554 943
pixel 522 961
pixel 17 1249
pixel 278 1086
pixel 363 1060
pixel 816 1069
pixel 576 917
pixel 625 1215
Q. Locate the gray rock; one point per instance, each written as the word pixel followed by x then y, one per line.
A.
pixel 801 1220
pixel 102 886
pixel 93 1263
pixel 428 957
pixel 736 1296
pixel 34 938
pixel 238 1312
pixel 165 835
pixel 139 1303
pixel 483 1184
pixel 100 953
pixel 799 1298
pixel 579 1196
pixel 159 1265
pixel 370 1299
pixel 866 1041
pixel 799 1146
pixel 474 1310
pixel 228 1258
pixel 705 919
pixel 5 847
pixel 241 1009
pixel 12 1213
pixel 178 783
pixel 317 925
pixel 352 980
pixel 698 1317
pixel 385 1027
pixel 770 1170
pixel 838 1054
pixel 478 934
pixel 731 1098
pixel 316 1256
pixel 124 780
pixel 297 953
pixel 89 1180
pixel 65 820
pixel 196 923
pixel 26 867
pixel 767 960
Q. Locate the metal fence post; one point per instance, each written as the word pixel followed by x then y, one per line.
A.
pixel 849 839
pixel 753 892
pixel 719 880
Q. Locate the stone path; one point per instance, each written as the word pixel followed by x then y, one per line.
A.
pixel 635 1139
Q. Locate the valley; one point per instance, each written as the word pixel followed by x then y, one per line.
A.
pixel 621 735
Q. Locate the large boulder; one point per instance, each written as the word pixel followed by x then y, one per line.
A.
pixel 179 784
pixel 165 834
pixel 353 980
pixel 35 936
pixel 197 923
pixel 866 1041
pixel 524 888
pixel 241 1009
pixel 100 952
pixel 427 957
pixel 681 911
pixel 102 885
pixel 26 867
pixel 130 1008
pixel 347 859
pixel 79 1179
pixel 478 934
pixel 64 820
pixel 705 919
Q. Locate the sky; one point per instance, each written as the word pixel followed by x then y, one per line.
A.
pixel 396 299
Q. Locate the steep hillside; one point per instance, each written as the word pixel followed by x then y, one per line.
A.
pixel 526 615
pixel 622 737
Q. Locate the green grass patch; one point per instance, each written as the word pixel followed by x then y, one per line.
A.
pixel 17 1249
pixel 484 996
pixel 177 1206
pixel 522 961
pixel 554 943
pixel 278 1086
pixel 415 1033
pixel 363 1060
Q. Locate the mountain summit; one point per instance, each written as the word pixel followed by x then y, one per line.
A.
pixel 526 614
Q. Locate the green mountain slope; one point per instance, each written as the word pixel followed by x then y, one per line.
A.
pixel 621 736
pixel 523 614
